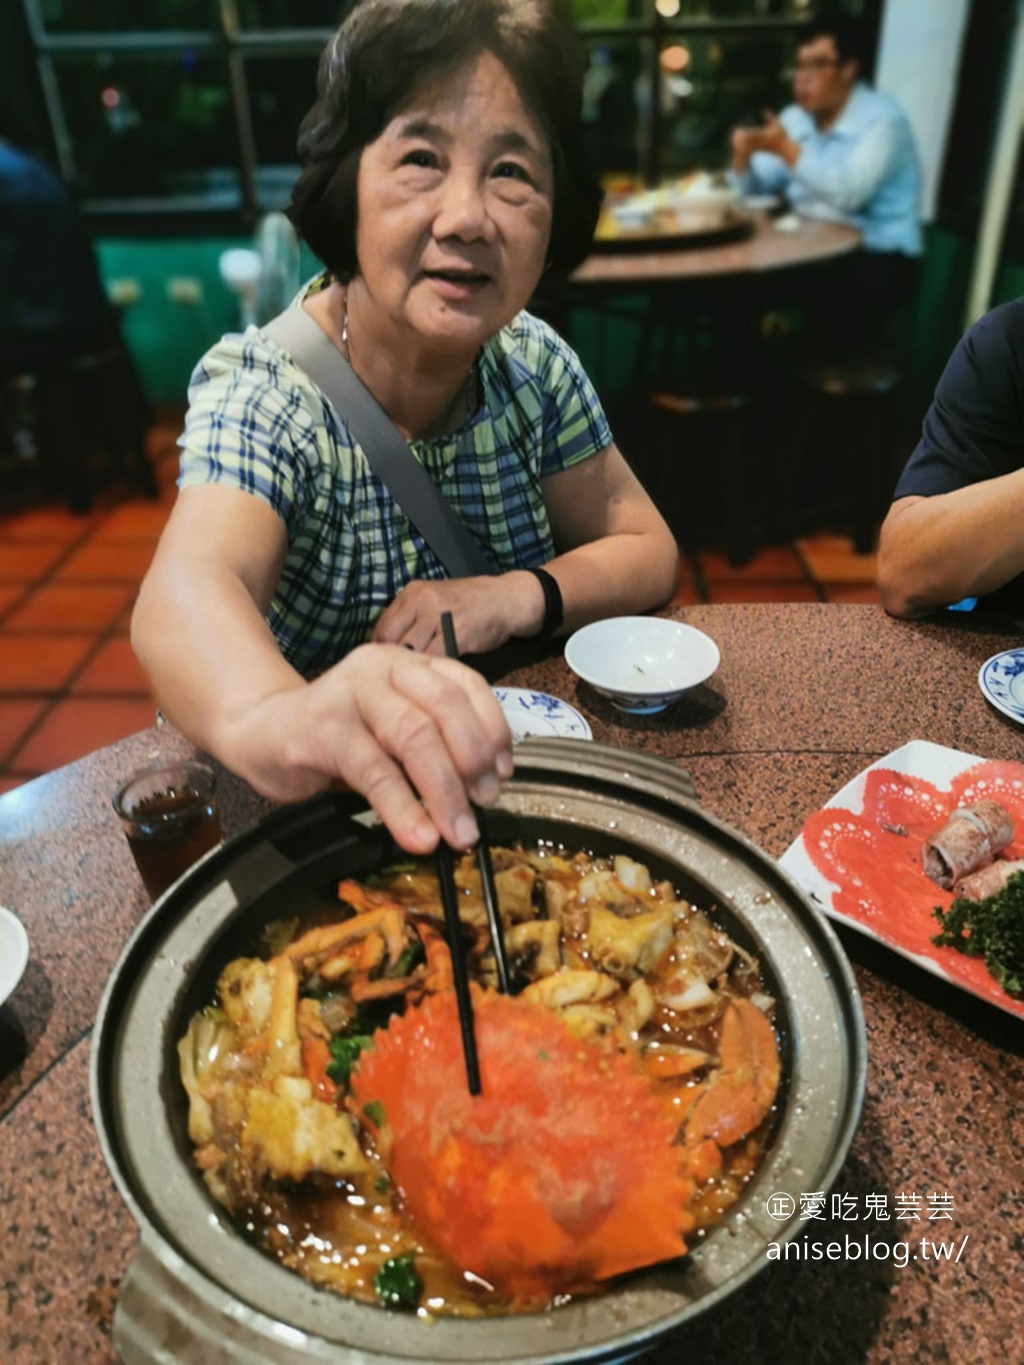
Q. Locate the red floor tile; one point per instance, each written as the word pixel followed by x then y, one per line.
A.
pixel 71 607
pixel 43 523
pixel 687 595
pixel 9 781
pixel 114 669
pixel 9 594
pixel 135 521
pixel 77 727
pixel 852 592
pixel 40 663
pixel 776 562
pixel 832 559
pixel 126 560
pixel 763 590
pixel 25 562
pixel 15 719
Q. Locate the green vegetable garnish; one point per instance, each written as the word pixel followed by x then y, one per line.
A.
pixel 382 1184
pixel 992 929
pixel 374 1111
pixel 345 1052
pixel 412 957
pixel 396 1283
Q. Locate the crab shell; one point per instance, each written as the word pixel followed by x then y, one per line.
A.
pixel 562 1172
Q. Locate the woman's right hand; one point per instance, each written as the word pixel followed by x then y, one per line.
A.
pixel 419 736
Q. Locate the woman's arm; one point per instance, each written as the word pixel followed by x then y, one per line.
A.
pixel 614 554
pixel 384 722
pixel 936 550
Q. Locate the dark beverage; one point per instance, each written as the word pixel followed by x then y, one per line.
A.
pixel 170 819
pixel 163 849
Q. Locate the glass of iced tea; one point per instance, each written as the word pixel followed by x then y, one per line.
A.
pixel 170 818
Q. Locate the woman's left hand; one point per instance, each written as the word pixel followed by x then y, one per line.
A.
pixel 485 612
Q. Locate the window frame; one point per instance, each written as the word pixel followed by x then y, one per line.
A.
pixel 234 44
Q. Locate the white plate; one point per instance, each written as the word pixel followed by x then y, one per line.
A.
pixel 13 952
pixel 1001 679
pixel 886 911
pixel 535 713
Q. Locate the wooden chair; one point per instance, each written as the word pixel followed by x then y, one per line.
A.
pixel 845 427
pixel 706 427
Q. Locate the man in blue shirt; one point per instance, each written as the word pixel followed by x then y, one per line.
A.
pixel 842 151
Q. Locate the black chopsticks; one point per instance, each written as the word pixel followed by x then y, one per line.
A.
pixel 449 898
pixel 483 849
pixel 445 863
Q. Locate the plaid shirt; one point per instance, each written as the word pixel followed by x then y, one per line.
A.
pixel 257 423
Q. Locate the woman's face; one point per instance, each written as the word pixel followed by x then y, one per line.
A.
pixel 455 205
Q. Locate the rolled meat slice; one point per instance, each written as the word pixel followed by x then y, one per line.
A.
pixel 988 880
pixel 971 839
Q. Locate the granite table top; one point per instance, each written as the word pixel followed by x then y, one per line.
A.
pixel 806 696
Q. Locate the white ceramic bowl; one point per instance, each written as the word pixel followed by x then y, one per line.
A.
pixel 13 952
pixel 641 663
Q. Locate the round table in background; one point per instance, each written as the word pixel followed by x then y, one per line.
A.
pixel 766 249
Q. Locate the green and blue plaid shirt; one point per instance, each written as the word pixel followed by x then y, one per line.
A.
pixel 256 422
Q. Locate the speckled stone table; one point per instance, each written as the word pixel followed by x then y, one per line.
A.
pixel 805 697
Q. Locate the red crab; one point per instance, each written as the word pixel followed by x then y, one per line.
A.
pixel 561 1173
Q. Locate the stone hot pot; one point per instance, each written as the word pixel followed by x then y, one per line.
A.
pixel 197 1291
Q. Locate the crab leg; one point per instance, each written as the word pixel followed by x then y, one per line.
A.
pixel 439 959
pixel 283 1047
pixel 387 920
pixel 738 1096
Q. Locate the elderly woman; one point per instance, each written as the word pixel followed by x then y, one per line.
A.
pixel 442 174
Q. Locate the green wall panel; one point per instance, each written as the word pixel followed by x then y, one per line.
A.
pixel 167 337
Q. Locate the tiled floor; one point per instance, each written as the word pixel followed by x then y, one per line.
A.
pixel 69 682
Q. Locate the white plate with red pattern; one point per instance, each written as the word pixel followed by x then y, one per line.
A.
pixel 859 857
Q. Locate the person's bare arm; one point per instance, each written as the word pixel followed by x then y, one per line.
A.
pixel 383 721
pixel 933 551
pixel 204 599
pixel 616 555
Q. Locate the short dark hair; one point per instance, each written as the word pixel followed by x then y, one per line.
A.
pixel 375 61
pixel 849 35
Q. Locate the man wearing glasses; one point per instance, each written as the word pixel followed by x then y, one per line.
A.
pixel 843 151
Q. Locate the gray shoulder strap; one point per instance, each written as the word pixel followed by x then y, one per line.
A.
pixel 387 453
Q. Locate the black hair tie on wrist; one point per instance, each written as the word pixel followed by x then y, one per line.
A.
pixel 554 611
